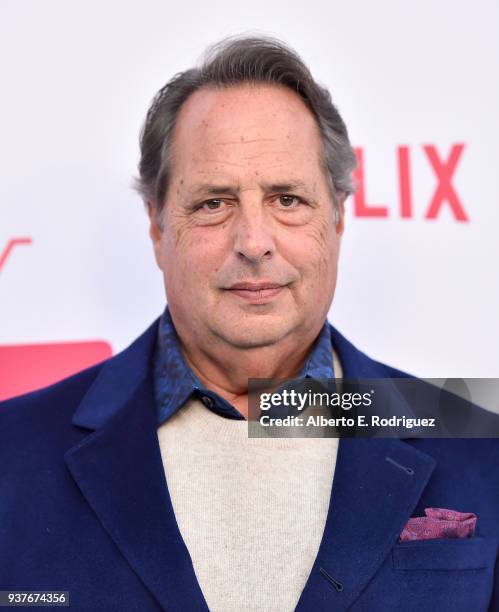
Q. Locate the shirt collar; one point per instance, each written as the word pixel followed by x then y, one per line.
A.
pixel 175 382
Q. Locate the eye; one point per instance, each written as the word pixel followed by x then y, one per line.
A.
pixel 211 205
pixel 212 212
pixel 290 201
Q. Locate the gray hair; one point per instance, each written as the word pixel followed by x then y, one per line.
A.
pixel 231 62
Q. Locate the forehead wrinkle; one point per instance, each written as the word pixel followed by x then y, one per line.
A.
pixel 284 152
pixel 244 141
pixel 216 161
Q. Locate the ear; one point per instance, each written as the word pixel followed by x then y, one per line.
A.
pixel 340 207
pixel 155 232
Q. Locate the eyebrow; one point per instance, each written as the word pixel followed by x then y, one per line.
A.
pixel 211 189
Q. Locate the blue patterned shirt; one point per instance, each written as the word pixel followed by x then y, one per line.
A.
pixel 175 382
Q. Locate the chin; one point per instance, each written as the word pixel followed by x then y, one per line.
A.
pixel 253 334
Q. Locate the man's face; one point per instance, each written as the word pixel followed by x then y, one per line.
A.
pixel 249 246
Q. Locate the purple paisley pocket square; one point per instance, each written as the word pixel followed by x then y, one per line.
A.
pixel 439 523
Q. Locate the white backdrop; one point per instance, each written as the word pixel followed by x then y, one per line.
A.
pixel 77 77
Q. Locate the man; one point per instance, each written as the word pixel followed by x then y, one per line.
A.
pixel 134 485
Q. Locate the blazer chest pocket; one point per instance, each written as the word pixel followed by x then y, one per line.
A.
pixel 445 554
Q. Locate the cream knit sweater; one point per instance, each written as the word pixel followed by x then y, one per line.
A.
pixel 251 511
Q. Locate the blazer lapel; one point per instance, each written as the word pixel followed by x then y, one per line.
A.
pixel 119 471
pixel 376 486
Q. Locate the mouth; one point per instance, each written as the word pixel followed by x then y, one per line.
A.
pixel 256 293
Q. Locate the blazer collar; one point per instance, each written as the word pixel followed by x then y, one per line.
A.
pixel 117 381
pixel 355 363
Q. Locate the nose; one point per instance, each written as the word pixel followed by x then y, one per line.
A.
pixel 253 237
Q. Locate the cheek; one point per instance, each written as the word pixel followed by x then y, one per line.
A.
pixel 314 252
pixel 191 256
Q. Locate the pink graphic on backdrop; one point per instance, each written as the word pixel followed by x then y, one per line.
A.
pixel 4 255
pixel 445 191
pixel 445 194
pixel 27 367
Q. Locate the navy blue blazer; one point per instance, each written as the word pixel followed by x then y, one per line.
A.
pixel 84 505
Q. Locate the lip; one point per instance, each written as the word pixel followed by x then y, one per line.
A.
pixel 259 286
pixel 256 293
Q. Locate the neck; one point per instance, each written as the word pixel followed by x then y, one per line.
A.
pixel 225 369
